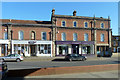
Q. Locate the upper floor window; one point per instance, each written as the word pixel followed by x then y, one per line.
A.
pixel 85 37
pixel 5 36
pixel 102 37
pixel 32 35
pixel 102 25
pixel 63 23
pixel 86 24
pixel 63 37
pixel 44 36
pixel 74 36
pixel 74 24
pixel 21 35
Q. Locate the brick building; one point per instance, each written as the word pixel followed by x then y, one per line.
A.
pixel 115 44
pixel 62 35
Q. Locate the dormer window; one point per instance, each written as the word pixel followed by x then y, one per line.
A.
pixel 74 24
pixel 63 23
pixel 102 25
pixel 86 24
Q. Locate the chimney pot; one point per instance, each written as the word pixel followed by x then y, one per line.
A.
pixel 53 11
pixel 74 13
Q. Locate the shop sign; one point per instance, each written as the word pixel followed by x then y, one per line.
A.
pixel 32 42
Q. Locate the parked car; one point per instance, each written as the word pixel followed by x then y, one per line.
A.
pixel 3 70
pixel 12 57
pixel 72 57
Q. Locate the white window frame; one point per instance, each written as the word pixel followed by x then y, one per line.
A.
pixel 87 24
pixel 5 36
pixel 101 24
pixel 62 36
pixel 75 35
pixel 86 36
pixel 19 35
pixel 62 23
pixel 103 38
pixel 76 24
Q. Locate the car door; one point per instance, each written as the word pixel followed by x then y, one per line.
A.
pixel 13 57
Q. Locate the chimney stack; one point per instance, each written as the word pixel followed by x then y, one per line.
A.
pixel 74 13
pixel 53 11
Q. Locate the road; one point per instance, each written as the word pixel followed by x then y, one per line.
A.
pixel 46 64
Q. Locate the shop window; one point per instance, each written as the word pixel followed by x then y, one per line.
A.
pixel 63 23
pixel 32 35
pixel 44 36
pixel 114 43
pixel 63 50
pixel 44 49
pixel 74 36
pixel 63 37
pixel 102 25
pixel 85 37
pixel 114 49
pixel 21 35
pixel 102 37
pixel 5 36
pixel 74 24
pixel 86 24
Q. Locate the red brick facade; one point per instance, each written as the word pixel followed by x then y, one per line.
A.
pixel 54 29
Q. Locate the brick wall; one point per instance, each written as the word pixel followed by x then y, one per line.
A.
pixel 69 34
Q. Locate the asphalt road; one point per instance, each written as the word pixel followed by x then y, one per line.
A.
pixel 58 63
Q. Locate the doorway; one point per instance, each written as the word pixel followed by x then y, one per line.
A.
pixel 75 49
pixel 33 50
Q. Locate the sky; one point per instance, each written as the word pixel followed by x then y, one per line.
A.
pixel 42 10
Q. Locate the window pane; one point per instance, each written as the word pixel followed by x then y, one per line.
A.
pixel 86 24
pixel 102 25
pixel 75 37
pixel 63 37
pixel 43 35
pixel 5 36
pixel 102 37
pixel 86 37
pixel 75 24
pixel 63 23
pixel 21 35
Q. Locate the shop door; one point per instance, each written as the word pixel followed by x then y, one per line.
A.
pixel 33 50
pixel 75 49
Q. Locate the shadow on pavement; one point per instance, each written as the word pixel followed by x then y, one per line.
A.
pixel 21 72
pixel 118 62
pixel 60 59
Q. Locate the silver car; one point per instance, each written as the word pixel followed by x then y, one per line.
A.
pixel 12 57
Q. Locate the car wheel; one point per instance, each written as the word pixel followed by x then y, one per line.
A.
pixel 18 60
pixel 83 59
pixel 2 60
pixel 70 59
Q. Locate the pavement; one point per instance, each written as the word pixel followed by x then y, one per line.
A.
pixel 41 58
pixel 102 74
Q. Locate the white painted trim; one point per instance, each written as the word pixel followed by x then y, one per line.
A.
pixel 102 44
pixel 26 42
pixel 4 41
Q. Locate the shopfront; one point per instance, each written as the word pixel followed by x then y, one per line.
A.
pixel 4 47
pixel 32 47
pixel 74 47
